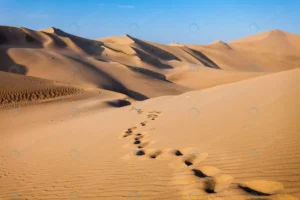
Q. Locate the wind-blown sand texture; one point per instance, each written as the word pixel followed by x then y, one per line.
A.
pixel 124 118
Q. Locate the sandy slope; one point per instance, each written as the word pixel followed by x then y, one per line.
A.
pixel 17 89
pixel 87 155
pixel 72 126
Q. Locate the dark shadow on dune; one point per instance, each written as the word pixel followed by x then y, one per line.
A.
pixel 17 37
pixel 205 60
pixel 18 69
pixel 30 39
pixel 2 38
pixel 116 50
pixel 114 85
pixel 8 65
pixel 254 192
pixel 57 41
pixel 102 60
pixel 153 50
pixel 150 59
pixel 149 73
pixel 12 37
pixel 91 47
pixel 227 46
pixel 119 103
pixel 136 95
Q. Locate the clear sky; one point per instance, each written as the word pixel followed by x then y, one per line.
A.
pixel 163 21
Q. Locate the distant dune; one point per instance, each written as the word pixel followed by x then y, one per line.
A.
pixel 125 118
pixel 145 66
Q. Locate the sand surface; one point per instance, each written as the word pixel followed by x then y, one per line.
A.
pixel 124 118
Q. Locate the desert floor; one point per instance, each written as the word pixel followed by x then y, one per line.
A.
pixel 124 118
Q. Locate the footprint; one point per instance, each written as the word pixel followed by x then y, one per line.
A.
pixel 138 137
pixel 174 152
pixel 129 132
pixel 193 157
pixel 189 159
pixel 218 183
pixel 126 135
pixel 140 153
pixel 188 163
pixel 142 145
pixel 178 153
pixel 155 154
pixel 144 123
pixel 206 171
pixel 152 116
pixel 132 128
pixel 137 142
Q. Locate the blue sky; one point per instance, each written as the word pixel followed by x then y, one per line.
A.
pixel 163 21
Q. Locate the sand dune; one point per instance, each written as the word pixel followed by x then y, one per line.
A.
pixel 125 118
pixel 270 51
pixel 81 61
